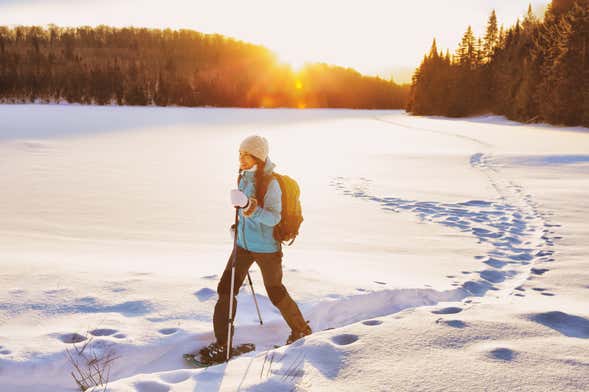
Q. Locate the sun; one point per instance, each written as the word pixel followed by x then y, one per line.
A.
pixel 296 63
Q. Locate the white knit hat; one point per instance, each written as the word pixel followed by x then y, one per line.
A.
pixel 256 146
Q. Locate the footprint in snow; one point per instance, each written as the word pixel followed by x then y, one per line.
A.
pixel 205 294
pixel 448 310
pixel 452 323
pixel 72 338
pixel 493 276
pixel 344 339
pixel 168 331
pixel 567 324
pixel 372 322
pixel 502 354
pixel 103 332
pixel 539 271
pixel 494 262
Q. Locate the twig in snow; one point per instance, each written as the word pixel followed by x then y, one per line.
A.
pixel 90 369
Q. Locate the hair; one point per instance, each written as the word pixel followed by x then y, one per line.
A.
pixel 261 180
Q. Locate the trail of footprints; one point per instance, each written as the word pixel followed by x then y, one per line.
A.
pixel 520 234
pixel 74 337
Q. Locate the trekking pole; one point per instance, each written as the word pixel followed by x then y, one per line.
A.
pixel 233 263
pixel 249 279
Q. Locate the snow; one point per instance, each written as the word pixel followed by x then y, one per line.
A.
pixel 436 254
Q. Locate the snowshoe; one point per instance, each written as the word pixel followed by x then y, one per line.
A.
pixel 215 353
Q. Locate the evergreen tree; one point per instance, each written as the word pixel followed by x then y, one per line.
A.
pixel 533 71
pixel 466 54
pixel 138 66
pixel 492 37
pixel 433 52
pixel 530 20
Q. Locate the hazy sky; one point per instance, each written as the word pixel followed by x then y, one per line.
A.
pixel 372 36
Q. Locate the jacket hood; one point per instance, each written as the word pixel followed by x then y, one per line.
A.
pixel 269 166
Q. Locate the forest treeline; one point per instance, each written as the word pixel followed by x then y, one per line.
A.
pixel 534 71
pixel 141 66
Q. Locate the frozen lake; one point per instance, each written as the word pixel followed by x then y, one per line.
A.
pixel 118 217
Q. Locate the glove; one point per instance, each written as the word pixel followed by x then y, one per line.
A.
pixel 250 208
pixel 238 198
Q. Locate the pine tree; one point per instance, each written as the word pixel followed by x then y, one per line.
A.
pixel 143 66
pixel 466 54
pixel 492 37
pixel 530 20
pixel 433 52
pixel 479 53
pixel 535 70
pixel 570 73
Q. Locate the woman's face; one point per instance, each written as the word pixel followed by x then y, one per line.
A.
pixel 246 161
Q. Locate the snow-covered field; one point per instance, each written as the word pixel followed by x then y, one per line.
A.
pixel 435 254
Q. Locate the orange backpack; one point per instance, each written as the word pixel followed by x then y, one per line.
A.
pixel 292 215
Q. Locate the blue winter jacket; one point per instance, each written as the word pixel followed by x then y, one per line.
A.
pixel 255 233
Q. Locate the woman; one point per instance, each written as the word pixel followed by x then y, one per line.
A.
pixel 255 242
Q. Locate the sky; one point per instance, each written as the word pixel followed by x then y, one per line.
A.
pixel 375 37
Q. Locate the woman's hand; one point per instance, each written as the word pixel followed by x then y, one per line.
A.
pixel 239 199
pixel 250 208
